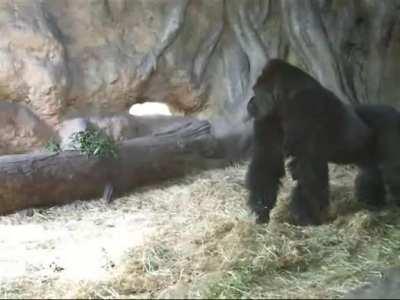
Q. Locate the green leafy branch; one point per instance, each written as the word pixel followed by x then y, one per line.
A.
pixel 94 142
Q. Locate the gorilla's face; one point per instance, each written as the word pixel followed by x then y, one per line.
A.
pixel 260 105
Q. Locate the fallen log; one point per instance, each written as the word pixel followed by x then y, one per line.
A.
pixel 45 179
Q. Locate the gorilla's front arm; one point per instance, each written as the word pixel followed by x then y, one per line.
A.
pixel 266 167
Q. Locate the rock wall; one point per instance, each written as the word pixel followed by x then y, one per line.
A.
pixel 65 59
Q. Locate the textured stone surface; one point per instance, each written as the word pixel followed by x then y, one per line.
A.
pixel 77 58
pixel 21 130
pixel 352 47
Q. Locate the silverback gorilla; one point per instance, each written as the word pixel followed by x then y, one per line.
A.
pixel 296 117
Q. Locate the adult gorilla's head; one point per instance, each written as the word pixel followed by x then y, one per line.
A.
pixel 278 83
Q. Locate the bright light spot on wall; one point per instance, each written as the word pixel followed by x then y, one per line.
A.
pixel 149 109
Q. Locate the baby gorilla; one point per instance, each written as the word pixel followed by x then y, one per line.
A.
pixel 295 116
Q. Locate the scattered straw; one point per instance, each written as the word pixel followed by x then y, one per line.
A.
pixel 194 238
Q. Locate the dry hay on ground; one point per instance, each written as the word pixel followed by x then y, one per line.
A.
pixel 194 238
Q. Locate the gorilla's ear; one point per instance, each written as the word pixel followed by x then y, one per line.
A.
pixel 266 103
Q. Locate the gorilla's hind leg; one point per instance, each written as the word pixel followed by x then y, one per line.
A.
pixel 310 197
pixel 391 178
pixel 369 186
pixel 266 168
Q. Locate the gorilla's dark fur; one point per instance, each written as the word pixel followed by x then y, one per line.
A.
pixel 296 117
